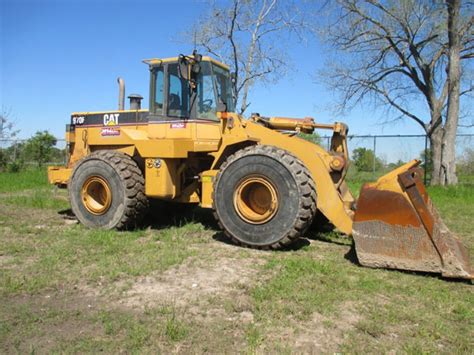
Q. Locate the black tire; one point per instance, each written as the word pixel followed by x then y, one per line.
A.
pixel 295 190
pixel 126 185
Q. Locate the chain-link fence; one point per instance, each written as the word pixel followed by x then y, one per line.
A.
pixel 371 155
pixel 17 152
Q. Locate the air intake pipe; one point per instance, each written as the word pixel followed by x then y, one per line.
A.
pixel 135 101
pixel 121 102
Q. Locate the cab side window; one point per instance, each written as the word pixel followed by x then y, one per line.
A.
pixel 206 98
pixel 178 95
pixel 159 87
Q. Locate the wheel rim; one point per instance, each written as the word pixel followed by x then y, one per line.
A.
pixel 96 195
pixel 256 200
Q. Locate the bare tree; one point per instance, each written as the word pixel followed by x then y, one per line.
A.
pixel 250 36
pixel 7 126
pixel 401 54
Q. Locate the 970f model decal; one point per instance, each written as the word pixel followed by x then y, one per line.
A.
pixel 78 120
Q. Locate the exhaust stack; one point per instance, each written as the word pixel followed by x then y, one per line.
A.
pixel 121 102
pixel 135 101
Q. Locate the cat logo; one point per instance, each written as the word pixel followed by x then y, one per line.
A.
pixel 111 119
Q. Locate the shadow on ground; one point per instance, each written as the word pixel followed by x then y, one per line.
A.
pixel 163 214
pixel 296 245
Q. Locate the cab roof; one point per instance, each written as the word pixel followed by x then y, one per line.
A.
pixel 158 61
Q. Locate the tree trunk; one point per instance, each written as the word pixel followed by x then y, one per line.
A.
pixel 443 155
pixel 436 145
pixel 249 65
pixel 443 139
pixel 448 160
pixel 448 157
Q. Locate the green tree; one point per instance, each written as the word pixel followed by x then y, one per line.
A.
pixel 466 163
pixel 7 134
pixel 364 160
pixel 39 148
pixel 7 126
pixel 3 159
pixel 11 157
pixel 426 156
pixel 311 137
pixel 397 164
pixel 58 155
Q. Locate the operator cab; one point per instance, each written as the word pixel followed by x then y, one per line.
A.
pixel 189 88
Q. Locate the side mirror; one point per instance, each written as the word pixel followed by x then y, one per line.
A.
pixel 183 68
pixel 195 68
pixel 197 56
pixel 233 77
pixel 188 70
pixel 221 106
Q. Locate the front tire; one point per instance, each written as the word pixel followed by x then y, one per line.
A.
pixel 264 197
pixel 107 190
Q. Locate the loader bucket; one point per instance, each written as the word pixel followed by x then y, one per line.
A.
pixel 396 226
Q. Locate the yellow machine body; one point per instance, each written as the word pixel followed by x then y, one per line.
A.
pixel 394 226
pixel 166 151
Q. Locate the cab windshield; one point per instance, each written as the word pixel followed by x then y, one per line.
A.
pixel 213 85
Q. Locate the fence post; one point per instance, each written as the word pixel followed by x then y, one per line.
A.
pixel 375 155
pixel 426 159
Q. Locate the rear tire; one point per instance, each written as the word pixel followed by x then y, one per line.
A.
pixel 264 197
pixel 107 190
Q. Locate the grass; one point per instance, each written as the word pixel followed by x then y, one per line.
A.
pixel 424 312
pixel 52 260
pixel 64 288
pixel 41 198
pixel 99 330
pixel 27 179
pixel 402 310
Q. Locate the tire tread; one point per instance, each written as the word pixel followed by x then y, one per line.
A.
pixel 306 186
pixel 136 202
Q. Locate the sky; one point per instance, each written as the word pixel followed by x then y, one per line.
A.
pixel 61 56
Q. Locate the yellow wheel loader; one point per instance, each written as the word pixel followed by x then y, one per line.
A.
pixel 264 183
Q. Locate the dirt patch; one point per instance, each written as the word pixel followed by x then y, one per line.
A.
pixel 5 259
pixel 321 334
pixel 27 193
pixel 192 282
pixel 33 216
pixel 61 300
pixel 326 334
pixel 42 321
pixel 49 335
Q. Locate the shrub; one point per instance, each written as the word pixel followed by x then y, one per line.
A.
pixel 15 166
pixel 364 160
